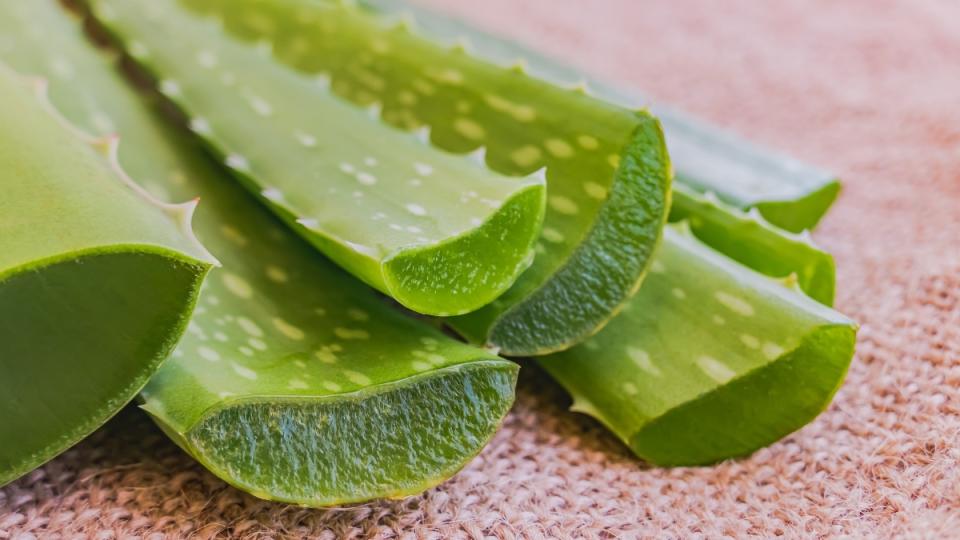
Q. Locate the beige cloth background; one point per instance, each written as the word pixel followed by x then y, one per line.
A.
pixel 868 88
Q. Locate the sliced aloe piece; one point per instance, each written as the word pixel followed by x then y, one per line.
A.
pixel 97 280
pixel 607 167
pixel 706 155
pixel 749 239
pixel 440 234
pixel 710 360
pixel 790 194
pixel 294 381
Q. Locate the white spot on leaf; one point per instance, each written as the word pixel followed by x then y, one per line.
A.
pixel 237 162
pixel 559 148
pixel 715 369
pixel 552 235
pixel 750 341
pixel 244 371
pixel 208 354
pixel 595 190
pixel 563 205
pixel 276 274
pixel 642 360
pixel 351 333
pixel 772 351
pixel 734 303
pixel 356 377
pixel 287 329
pixel 237 285
pixel 416 209
pixel 423 169
pixel 366 179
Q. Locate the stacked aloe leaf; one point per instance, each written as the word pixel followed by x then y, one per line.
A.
pixel 351 160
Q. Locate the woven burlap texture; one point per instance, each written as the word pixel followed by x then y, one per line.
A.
pixel 867 88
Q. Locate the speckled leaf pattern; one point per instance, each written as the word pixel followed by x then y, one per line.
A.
pixel 440 234
pixel 710 360
pixel 689 374
pixel 295 381
pixel 97 280
pixel 789 193
pixel 607 168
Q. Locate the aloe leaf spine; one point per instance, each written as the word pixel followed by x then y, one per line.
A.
pixel 789 193
pixel 748 238
pixel 607 168
pixel 710 360
pixel 441 235
pixel 97 279
pixel 294 381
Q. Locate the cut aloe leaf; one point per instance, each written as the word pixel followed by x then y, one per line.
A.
pixel 749 239
pixel 440 234
pixel 607 168
pixel 97 280
pixel 294 381
pixel 790 194
pixel 710 360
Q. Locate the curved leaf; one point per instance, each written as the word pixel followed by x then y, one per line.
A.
pixel 97 280
pixel 607 169
pixel 293 376
pixel 790 194
pixel 414 222
pixel 710 360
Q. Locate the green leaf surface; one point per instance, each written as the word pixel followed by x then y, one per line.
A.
pixel 789 193
pixel 440 234
pixel 658 375
pixel 607 169
pixel 294 381
pixel 97 280
pixel 752 241
pixel 710 360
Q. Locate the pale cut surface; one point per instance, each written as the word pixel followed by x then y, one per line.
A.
pixel 880 462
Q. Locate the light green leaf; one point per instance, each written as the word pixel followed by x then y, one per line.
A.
pixel 97 280
pixel 749 239
pixel 295 381
pixel 790 194
pixel 607 168
pixel 440 234
pixel 710 360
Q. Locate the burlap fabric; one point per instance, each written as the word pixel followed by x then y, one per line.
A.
pixel 868 88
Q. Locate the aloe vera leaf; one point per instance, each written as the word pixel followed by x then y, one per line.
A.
pixel 608 172
pixel 440 234
pixel 789 193
pixel 595 370
pixel 786 192
pixel 706 159
pixel 752 241
pixel 710 360
pixel 294 381
pixel 97 280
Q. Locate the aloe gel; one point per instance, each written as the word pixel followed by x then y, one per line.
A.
pixel 97 280
pixel 294 381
